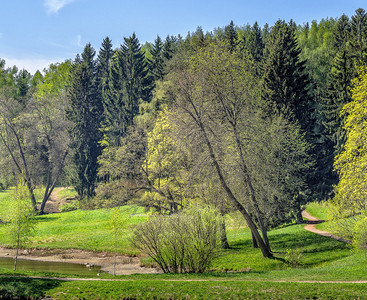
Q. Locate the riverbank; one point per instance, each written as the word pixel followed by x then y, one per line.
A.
pixel 125 265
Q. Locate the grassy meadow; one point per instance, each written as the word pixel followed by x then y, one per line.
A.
pixel 305 265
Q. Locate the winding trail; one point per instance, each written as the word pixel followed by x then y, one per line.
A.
pixel 311 226
pixel 53 203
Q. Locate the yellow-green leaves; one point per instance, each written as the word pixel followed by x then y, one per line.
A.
pixel 21 215
pixel 351 164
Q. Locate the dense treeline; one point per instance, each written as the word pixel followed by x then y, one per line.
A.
pixel 242 118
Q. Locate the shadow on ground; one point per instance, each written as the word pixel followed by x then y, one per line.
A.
pixel 25 288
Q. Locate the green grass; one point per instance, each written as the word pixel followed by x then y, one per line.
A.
pixel 237 273
pixel 170 288
pixel 67 193
pixel 5 199
pixel 80 229
pixel 319 210
pixel 153 289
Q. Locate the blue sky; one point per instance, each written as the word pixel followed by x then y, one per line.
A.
pixel 35 33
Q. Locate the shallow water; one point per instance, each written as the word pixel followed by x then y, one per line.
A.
pixel 47 266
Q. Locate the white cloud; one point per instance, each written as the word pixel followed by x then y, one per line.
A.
pixel 30 64
pixel 79 41
pixel 53 6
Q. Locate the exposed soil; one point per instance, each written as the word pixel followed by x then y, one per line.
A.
pixel 311 226
pixel 54 202
pixel 125 265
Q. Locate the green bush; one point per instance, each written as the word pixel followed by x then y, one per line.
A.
pixel 180 243
pixel 360 232
pixel 293 257
pixel 74 205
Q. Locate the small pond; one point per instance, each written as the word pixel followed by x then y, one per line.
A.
pixel 47 266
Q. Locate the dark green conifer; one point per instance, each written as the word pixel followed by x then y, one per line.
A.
pixel 231 35
pixel 169 47
pixel 129 84
pixel 339 83
pixel 253 42
pixel 84 112
pixel 285 87
pixel 359 36
pixel 23 83
pixel 156 63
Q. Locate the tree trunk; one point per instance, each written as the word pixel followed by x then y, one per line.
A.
pixel 263 247
pixel 50 187
pixel 254 243
pixel 16 253
pixel 223 235
pixel 114 258
pixel 247 179
pixel 24 163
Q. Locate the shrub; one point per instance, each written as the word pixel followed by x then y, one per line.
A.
pixel 69 206
pixel 179 243
pixel 293 257
pixel 360 235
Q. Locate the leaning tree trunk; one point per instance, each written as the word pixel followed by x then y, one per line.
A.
pixel 50 186
pixel 248 181
pixel 265 250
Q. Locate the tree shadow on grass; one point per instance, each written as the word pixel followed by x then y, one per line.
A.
pixel 307 241
pixel 25 288
pixel 48 219
pixel 314 249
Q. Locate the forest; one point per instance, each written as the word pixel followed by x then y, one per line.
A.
pixel 255 120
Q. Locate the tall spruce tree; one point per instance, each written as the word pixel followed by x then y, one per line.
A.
pixel 115 126
pixel 103 66
pixel 137 81
pixel 169 47
pixel 104 62
pixel 230 34
pixel 359 36
pixel 129 84
pixel 253 42
pixel 285 87
pixel 156 63
pixel 84 111
pixel 339 83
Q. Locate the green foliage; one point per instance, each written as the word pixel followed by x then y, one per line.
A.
pixel 84 112
pixel 351 194
pixel 74 205
pixel 349 203
pixel 20 217
pixel 253 42
pixel 156 63
pixel 180 243
pixel 285 87
pixel 293 257
pixel 130 83
pixel 166 167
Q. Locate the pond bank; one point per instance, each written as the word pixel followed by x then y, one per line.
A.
pixel 125 265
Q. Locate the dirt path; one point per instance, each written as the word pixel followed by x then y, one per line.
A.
pixel 311 226
pixel 54 202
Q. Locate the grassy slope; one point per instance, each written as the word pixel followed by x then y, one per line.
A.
pixel 320 259
pixel 89 230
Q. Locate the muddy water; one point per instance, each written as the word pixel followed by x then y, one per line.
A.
pixel 46 266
